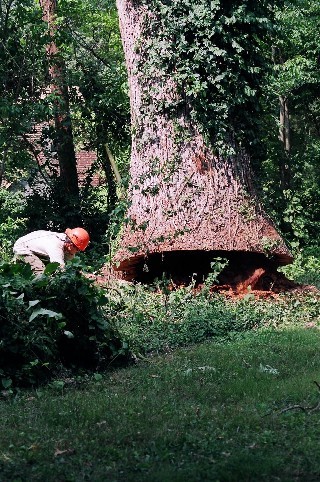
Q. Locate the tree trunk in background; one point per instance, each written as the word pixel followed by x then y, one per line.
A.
pixel 63 142
pixel 284 135
pixel 106 166
pixel 3 165
pixel 184 198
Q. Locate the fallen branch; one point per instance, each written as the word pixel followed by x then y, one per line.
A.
pixel 293 407
pixel 309 410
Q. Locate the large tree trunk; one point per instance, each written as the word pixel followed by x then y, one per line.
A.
pixel 184 197
pixel 63 142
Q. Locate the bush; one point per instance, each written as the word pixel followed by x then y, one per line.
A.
pixel 52 322
pixel 305 268
pixel 154 319
pixel 12 222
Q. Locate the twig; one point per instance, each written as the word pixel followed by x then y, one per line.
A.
pixel 299 407
pixel 316 407
pixel 293 407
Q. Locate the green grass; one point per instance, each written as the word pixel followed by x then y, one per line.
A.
pixel 210 412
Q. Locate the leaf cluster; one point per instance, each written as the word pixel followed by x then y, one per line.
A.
pixel 213 51
pixel 52 322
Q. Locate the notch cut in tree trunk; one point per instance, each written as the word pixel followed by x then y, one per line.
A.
pixel 184 197
pixel 243 272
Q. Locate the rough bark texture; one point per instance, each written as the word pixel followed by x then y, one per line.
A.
pixel 183 196
pixel 63 142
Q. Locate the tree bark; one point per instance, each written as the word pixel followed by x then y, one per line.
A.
pixel 183 196
pixel 63 142
pixel 284 135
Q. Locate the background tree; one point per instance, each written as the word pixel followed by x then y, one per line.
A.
pixel 289 169
pixel 63 143
pixel 93 89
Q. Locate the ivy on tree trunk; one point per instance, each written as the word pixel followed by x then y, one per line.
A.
pixel 188 192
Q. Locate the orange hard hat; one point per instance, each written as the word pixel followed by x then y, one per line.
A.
pixel 79 237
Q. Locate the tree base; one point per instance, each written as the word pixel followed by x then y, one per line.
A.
pixel 243 272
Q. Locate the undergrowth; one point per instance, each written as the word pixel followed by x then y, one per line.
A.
pixel 51 323
pixel 306 267
pixel 159 321
pixel 58 324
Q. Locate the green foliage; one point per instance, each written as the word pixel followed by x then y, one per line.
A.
pixel 290 180
pixel 217 266
pixel 89 38
pixel 213 52
pixel 12 221
pixel 157 321
pixel 52 322
pixel 22 71
pixel 306 267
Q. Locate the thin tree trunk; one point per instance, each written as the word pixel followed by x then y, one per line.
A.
pixel 284 135
pixel 284 129
pixel 183 196
pixel 3 165
pixel 105 163
pixel 63 142
pixel 285 123
pixel 112 188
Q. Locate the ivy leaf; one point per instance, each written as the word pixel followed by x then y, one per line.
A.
pixel 6 382
pixel 51 268
pixel 49 313
pixel 33 303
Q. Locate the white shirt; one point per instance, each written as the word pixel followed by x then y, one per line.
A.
pixel 43 243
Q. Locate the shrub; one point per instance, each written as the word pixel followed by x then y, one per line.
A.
pixel 12 221
pixel 50 323
pixel 305 268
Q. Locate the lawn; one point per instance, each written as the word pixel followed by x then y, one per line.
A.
pixel 237 410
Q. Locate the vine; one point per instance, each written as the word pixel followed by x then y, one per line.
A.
pixel 212 52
